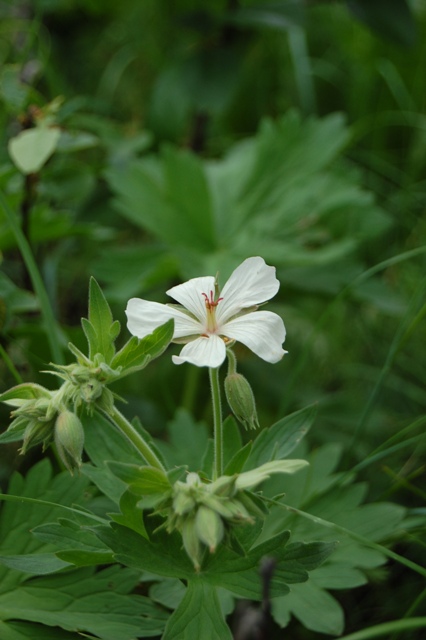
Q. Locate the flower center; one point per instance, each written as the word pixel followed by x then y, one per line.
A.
pixel 211 305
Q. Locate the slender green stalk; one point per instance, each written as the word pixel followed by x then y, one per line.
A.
pixel 411 610
pixel 135 438
pixel 386 628
pixel 400 337
pixel 51 326
pixel 355 536
pixel 217 422
pixel 302 68
pixel 9 364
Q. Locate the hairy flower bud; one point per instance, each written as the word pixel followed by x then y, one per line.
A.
pixel 191 542
pixel 209 527
pixel 241 400
pixel 37 432
pixel 69 439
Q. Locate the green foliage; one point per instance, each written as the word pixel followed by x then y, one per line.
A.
pixel 190 139
pixel 269 182
pixel 75 600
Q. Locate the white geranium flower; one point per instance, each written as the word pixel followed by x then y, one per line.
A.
pixel 207 324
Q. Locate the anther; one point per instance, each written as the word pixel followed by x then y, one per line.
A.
pixel 210 302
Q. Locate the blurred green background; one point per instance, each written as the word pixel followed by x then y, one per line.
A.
pixel 196 134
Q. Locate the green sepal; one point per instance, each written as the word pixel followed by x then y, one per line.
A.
pixel 100 328
pixel 24 391
pixel 136 354
pixel 81 358
pixel 250 479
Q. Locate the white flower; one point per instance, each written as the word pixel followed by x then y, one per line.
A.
pixel 207 324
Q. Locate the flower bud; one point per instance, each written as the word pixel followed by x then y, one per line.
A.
pixel 241 400
pixel 183 503
pixel 191 542
pixel 69 439
pixel 37 432
pixel 223 486
pixel 209 527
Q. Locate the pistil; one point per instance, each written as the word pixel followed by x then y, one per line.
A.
pixel 211 305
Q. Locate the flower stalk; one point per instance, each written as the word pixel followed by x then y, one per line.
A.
pixel 217 422
pixel 134 437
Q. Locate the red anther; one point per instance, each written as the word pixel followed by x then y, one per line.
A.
pixel 210 302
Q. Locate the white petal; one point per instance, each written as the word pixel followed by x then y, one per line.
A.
pixel 261 331
pixel 190 295
pixel 144 316
pixel 252 283
pixel 203 352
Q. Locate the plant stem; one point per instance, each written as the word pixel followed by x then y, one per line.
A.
pixel 9 364
pixel 52 328
pixel 232 362
pixel 387 627
pixel 217 422
pixel 135 438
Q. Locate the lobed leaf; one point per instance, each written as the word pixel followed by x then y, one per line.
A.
pixel 136 354
pixel 198 615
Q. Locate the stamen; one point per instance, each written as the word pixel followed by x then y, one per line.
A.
pixel 211 303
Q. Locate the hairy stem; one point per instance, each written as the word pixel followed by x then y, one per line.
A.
pixel 217 422
pixel 135 438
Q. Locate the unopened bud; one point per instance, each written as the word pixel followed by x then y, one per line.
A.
pixel 209 527
pixel 241 400
pixel 191 542
pixel 69 439
pixel 37 432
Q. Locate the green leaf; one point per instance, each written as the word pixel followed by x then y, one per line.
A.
pixel 80 558
pixel 315 608
pixel 168 592
pixel 31 148
pixel 162 555
pixel 18 518
pixel 130 515
pixel 142 480
pixel 240 574
pixel 278 441
pixel 105 480
pixel 136 354
pixel 32 631
pixel 238 461
pixel 37 563
pixel 104 442
pixel 187 441
pixel 82 601
pixel 100 328
pixel 320 487
pixel 199 615
pixel 169 197
pixel 232 440
pixel 69 535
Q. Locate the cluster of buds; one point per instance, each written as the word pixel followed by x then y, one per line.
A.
pixel 85 384
pixel 41 416
pixel 203 513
